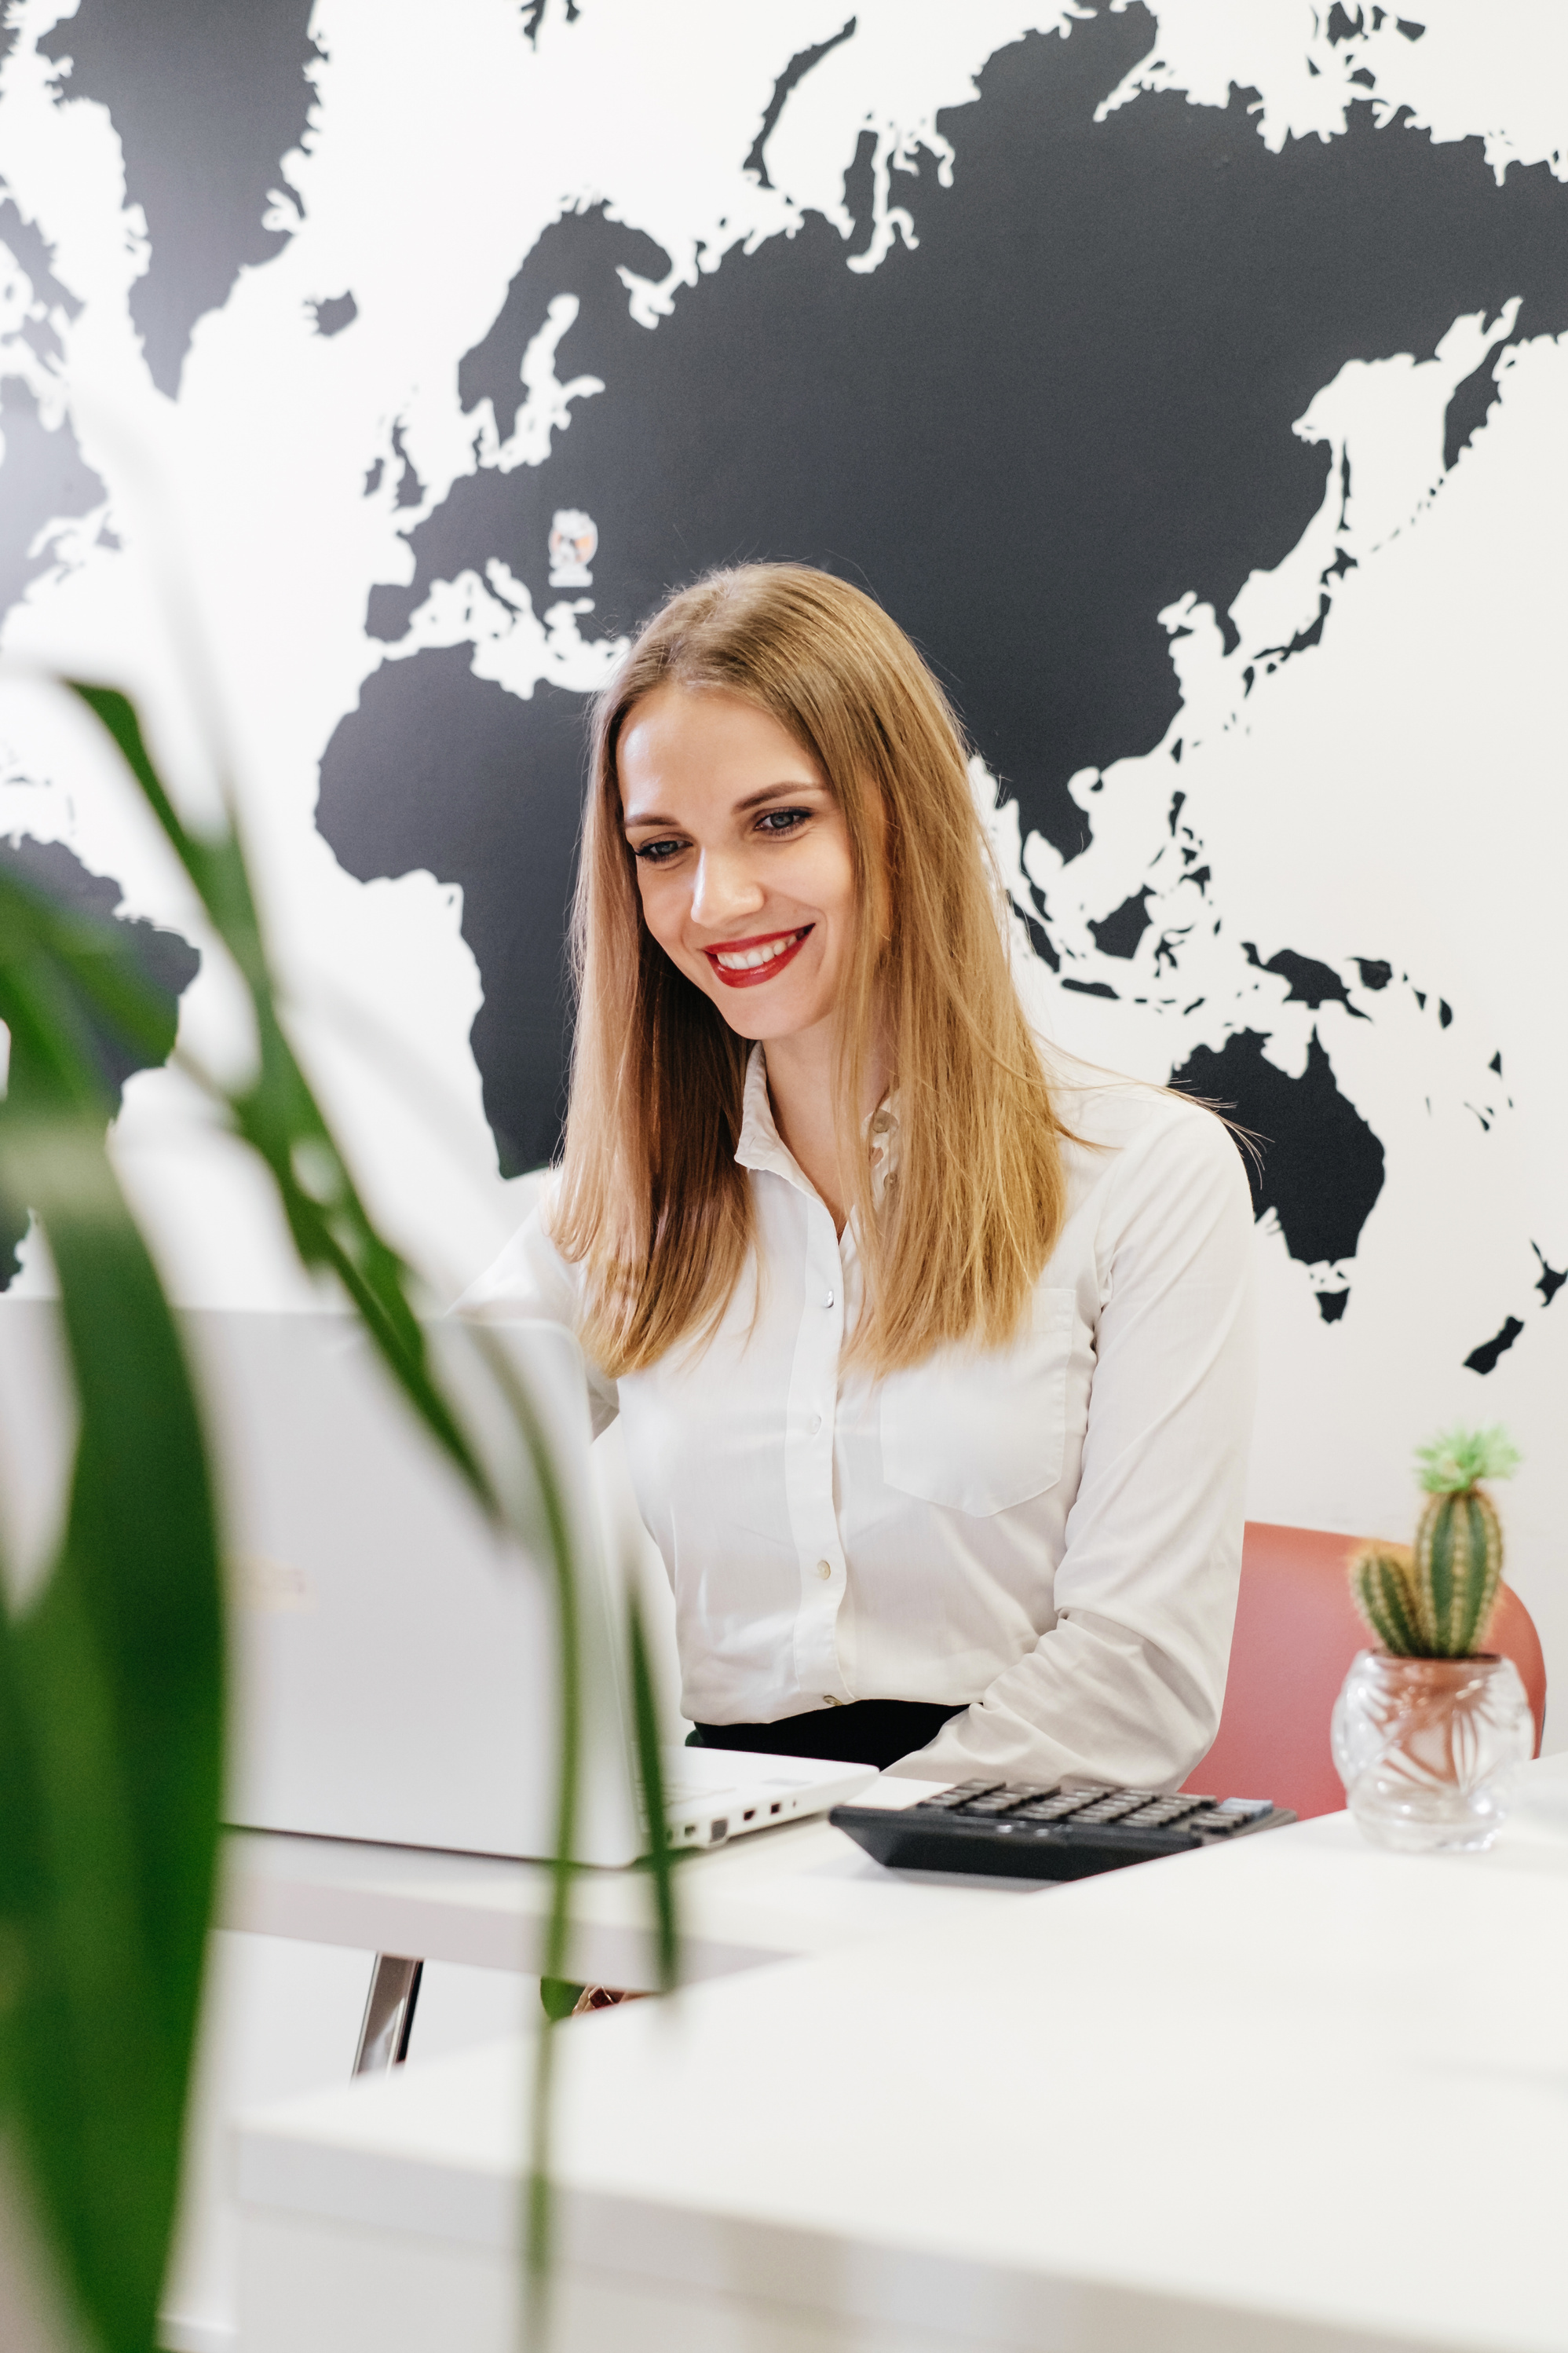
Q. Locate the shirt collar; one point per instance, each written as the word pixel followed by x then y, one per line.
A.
pixel 762 1145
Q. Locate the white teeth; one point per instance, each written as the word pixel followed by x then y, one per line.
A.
pixel 747 959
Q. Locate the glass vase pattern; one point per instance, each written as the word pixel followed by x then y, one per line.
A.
pixel 1429 1748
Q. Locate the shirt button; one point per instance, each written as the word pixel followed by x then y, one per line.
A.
pixel 828 1699
pixel 829 1301
pixel 815 1423
pixel 825 1569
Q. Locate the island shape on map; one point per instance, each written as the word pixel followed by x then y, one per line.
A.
pixel 1070 405
pixel 206 103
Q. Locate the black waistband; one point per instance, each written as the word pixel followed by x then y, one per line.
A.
pixel 865 1732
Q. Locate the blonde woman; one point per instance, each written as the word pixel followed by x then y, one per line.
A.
pixel 934 1362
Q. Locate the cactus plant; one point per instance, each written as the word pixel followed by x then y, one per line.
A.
pixel 1435 1601
pixel 1383 1579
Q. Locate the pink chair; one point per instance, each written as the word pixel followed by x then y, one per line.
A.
pixel 1297 1631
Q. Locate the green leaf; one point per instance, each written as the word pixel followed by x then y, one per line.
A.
pixel 111 1700
pixel 539 2204
pixel 650 1771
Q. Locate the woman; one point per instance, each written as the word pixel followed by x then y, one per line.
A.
pixel 935 1370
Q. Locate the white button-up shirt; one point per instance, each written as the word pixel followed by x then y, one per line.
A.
pixel 1047 1535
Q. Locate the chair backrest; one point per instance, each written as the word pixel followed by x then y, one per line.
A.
pixel 1297 1631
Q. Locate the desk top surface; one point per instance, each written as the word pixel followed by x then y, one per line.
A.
pixel 796 1889
pixel 1300 2079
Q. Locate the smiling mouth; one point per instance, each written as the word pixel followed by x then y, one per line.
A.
pixel 743 964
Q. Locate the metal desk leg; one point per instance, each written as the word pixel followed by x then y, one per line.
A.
pixel 388 2014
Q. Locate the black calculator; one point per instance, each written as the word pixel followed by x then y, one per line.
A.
pixel 1022 1830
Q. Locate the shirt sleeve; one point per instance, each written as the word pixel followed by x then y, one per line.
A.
pixel 530 1282
pixel 1127 1684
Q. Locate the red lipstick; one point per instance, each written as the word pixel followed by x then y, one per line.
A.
pixel 752 975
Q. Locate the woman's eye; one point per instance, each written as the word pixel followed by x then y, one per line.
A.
pixel 658 853
pixel 779 821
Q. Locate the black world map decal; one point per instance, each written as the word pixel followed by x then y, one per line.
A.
pixel 1063 404
pixel 1026 464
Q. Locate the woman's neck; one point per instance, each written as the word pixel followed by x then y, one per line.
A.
pixel 803 1090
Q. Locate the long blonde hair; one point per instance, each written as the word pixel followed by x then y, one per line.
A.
pixel 651 1200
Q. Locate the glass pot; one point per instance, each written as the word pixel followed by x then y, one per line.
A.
pixel 1429 1748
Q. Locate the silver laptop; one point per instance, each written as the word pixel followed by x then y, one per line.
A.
pixel 393 1671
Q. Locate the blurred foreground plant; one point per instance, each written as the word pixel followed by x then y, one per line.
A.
pixel 111 1705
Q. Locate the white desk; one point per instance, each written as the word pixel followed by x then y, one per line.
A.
pixel 1294 2095
pixel 799 1889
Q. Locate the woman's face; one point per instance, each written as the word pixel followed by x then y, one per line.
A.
pixel 743 858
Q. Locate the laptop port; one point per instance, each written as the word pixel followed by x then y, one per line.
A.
pixel 749 1815
pixel 775 1810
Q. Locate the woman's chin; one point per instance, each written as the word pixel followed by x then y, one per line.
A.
pixel 753 1013
pixel 747 1022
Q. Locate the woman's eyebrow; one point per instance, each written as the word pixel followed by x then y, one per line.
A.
pixel 790 790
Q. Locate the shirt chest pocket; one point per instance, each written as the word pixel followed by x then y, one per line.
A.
pixel 981 1432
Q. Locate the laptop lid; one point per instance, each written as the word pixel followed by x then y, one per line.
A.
pixel 396 1669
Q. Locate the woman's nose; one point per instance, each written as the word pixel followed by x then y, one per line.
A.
pixel 725 893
